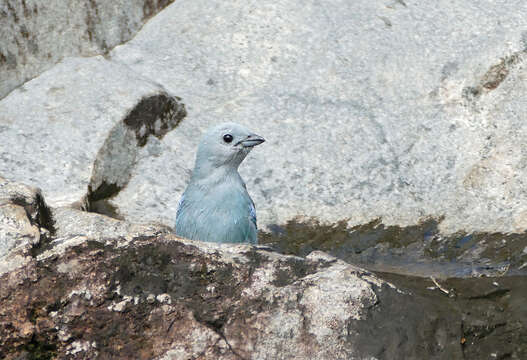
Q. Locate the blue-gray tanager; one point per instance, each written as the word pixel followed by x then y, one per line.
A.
pixel 215 206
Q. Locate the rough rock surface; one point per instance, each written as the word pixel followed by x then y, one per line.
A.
pixel 25 223
pixel 392 109
pixel 35 35
pixel 97 287
pixel 78 129
pixel 165 298
pixel 156 296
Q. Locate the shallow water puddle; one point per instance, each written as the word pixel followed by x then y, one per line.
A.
pixel 419 250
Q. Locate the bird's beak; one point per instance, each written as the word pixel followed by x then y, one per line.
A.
pixel 252 140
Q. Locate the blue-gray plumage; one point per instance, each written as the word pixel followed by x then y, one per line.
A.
pixel 215 206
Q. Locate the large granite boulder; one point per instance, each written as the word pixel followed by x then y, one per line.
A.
pixel 35 35
pixel 370 110
pixel 392 109
pixel 78 130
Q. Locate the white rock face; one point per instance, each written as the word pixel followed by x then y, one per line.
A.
pixel 401 110
pixel 71 222
pixel 35 35
pixel 75 131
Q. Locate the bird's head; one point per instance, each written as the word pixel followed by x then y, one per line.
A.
pixel 225 145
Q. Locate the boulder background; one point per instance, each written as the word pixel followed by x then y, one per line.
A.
pixel 36 35
pixel 395 134
pixel 398 110
pixel 392 109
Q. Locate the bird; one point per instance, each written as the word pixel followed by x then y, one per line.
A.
pixel 215 206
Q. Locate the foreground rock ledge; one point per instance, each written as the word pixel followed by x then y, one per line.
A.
pixel 82 285
pixel 161 297
pixel 165 297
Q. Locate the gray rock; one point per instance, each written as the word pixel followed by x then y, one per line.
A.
pixel 35 35
pixel 246 278
pixel 399 110
pixel 25 221
pixel 177 299
pixel 29 228
pixel 15 229
pixel 157 179
pixel 77 129
pixel 70 223
pixel 29 199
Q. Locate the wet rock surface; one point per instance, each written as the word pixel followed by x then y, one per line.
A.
pixel 478 318
pixel 420 250
pixel 98 287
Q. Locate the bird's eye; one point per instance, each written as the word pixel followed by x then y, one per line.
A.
pixel 227 138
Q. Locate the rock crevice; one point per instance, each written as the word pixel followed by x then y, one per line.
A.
pixel 112 169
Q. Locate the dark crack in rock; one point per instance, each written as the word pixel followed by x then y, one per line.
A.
pixel 153 116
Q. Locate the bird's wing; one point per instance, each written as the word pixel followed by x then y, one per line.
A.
pixel 252 214
pixel 251 232
pixel 180 206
